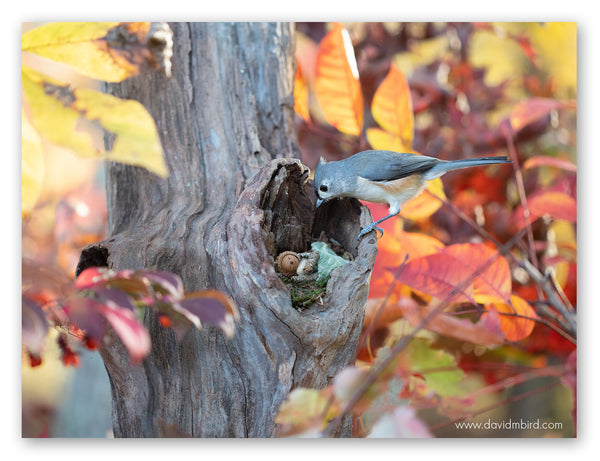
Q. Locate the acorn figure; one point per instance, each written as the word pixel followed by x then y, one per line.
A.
pixel 298 266
pixel 287 262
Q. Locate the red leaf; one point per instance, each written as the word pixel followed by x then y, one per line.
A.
pixel 545 160
pixel 34 328
pixel 91 276
pixel 212 307
pixel 85 314
pixel 556 204
pixel 486 332
pixel 440 275
pixel 532 110
pixel 166 282
pixel 337 85
pixel 133 283
pixel 131 332
pixel 492 274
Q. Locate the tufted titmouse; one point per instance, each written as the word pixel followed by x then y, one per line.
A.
pixel 383 176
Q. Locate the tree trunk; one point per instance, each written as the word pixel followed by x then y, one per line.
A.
pixel 233 200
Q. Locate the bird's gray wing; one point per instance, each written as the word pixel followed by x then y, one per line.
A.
pixel 383 165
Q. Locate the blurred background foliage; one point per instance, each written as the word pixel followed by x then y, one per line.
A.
pixel 520 60
pixel 477 89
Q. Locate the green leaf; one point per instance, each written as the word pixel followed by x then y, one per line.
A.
pixel 439 368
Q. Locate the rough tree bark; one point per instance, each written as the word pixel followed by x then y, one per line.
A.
pixel 233 200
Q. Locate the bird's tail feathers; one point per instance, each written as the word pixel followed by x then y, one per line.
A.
pixel 442 167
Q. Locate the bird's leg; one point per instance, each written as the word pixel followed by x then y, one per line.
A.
pixel 373 226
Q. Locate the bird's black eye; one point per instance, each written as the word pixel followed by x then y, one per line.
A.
pixel 323 188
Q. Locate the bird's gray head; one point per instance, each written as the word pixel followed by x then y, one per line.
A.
pixel 329 180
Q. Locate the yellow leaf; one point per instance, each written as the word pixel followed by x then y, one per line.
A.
pixel 56 109
pixel 51 112
pixel 306 410
pixel 32 166
pixel 422 53
pixel 137 141
pixel 382 140
pixel 562 240
pixel 424 205
pixel 337 85
pixel 499 55
pixel 109 51
pixel 561 250
pixel 74 44
pixel 392 106
pixel 556 43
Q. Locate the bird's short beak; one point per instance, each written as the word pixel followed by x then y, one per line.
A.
pixel 319 201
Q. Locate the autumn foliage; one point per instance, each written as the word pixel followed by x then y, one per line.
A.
pixel 473 297
pixel 476 278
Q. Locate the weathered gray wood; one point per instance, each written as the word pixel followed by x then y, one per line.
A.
pixel 218 221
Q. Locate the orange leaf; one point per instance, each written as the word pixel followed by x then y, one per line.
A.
pixel 413 244
pixel 392 106
pixel 531 110
pixel 301 94
pixel 337 85
pixel 492 280
pixel 512 321
pixel 380 314
pixel 556 204
pixel 545 160
pixel 393 248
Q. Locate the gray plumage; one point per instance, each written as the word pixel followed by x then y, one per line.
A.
pixel 385 165
pixel 383 176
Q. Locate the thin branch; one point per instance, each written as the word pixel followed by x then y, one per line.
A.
pixel 544 322
pixel 506 131
pixel 378 368
pixel 568 314
pixel 533 272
